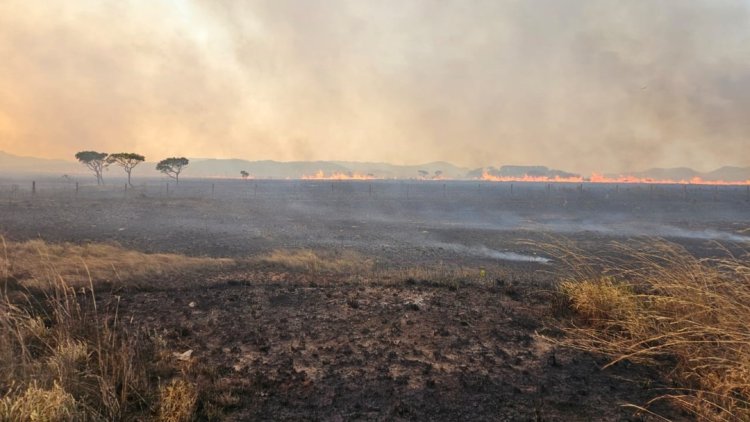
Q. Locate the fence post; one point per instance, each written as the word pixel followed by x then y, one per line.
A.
pixel 76 188
pixel 212 190
pixel 33 187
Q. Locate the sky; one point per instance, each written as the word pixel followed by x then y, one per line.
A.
pixel 582 85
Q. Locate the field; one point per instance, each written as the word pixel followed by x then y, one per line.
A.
pixel 386 300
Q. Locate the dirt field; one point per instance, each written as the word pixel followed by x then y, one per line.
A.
pixel 295 344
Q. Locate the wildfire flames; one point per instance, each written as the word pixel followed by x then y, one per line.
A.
pixel 320 175
pixel 598 178
pixel 594 178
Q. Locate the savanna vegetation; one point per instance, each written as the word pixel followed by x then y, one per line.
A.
pixel 656 304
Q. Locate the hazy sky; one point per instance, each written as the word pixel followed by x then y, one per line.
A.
pixel 584 85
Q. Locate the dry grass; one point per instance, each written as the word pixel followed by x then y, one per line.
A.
pixel 65 348
pixel 344 262
pixel 357 268
pixel 35 261
pixel 177 401
pixel 37 404
pixel 654 303
pixel 67 356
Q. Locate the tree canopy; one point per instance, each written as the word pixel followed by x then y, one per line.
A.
pixel 96 161
pixel 173 166
pixel 126 160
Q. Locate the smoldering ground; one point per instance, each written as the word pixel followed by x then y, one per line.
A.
pixel 398 220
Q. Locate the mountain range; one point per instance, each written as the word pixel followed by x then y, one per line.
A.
pixel 264 169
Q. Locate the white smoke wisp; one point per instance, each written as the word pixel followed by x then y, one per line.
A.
pixel 483 251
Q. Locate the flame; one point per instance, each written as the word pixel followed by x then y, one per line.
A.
pixel 599 178
pixel 320 175
pixel 526 178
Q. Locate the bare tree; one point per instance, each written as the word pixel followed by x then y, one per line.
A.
pixel 173 166
pixel 126 160
pixel 95 161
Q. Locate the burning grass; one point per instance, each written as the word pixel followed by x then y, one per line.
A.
pixel 656 304
pixel 36 261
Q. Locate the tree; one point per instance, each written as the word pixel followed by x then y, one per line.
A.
pixel 422 174
pixel 95 161
pixel 172 167
pixel 126 160
pixel 244 174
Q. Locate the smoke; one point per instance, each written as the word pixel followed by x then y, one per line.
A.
pixel 584 85
pixel 485 252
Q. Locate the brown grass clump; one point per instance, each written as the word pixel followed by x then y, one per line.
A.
pixel 343 262
pixel 65 348
pixel 37 404
pixel 67 356
pixel 177 401
pixel 658 304
pixel 36 261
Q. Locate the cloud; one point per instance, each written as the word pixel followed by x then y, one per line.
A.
pixel 583 85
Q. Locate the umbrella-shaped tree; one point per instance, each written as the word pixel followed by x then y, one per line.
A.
pixel 126 160
pixel 96 161
pixel 173 166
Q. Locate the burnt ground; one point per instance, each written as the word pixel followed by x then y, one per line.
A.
pixel 305 347
pixel 279 344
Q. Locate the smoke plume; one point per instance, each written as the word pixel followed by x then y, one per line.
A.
pixel 585 85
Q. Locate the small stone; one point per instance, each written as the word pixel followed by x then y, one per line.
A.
pixel 191 304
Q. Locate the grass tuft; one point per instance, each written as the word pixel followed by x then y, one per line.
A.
pixel 66 356
pixel 39 404
pixel 177 401
pixel 657 304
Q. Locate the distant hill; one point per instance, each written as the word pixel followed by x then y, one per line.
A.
pixel 210 167
pixel 520 171
pixel 677 173
pixel 265 169
pixel 296 169
pixel 258 169
pixel 13 164
pixel 735 174
pixel 386 170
